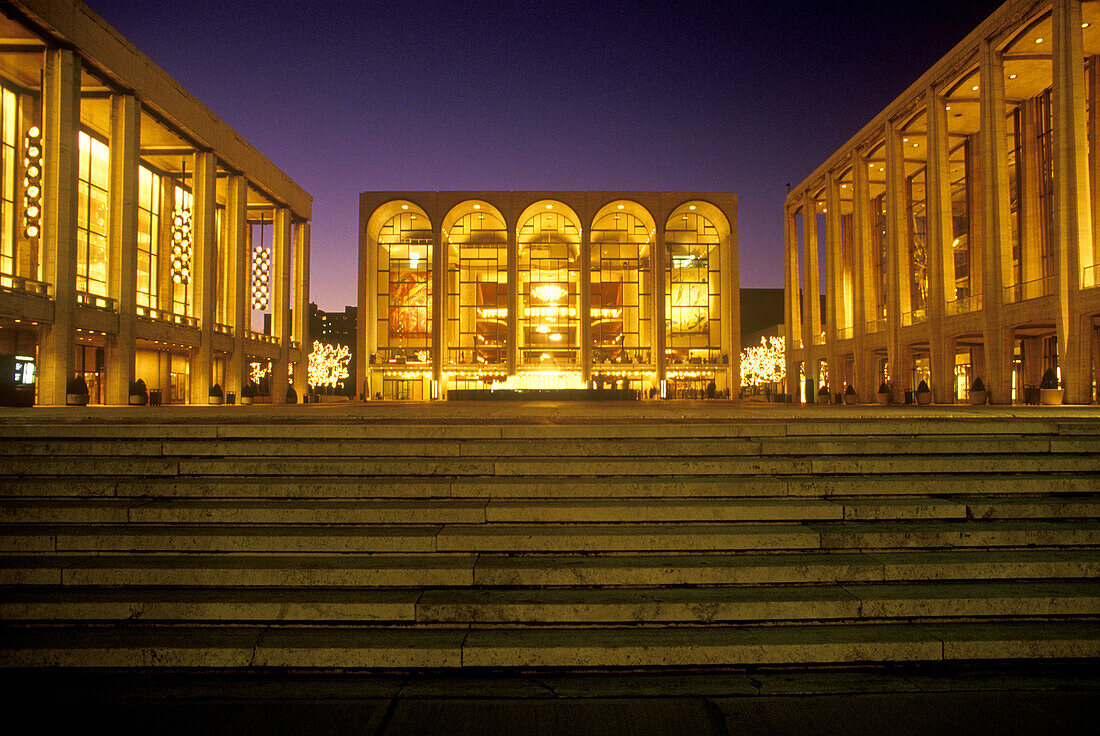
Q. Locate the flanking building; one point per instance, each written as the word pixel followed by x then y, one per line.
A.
pixel 131 220
pixel 473 290
pixel 959 227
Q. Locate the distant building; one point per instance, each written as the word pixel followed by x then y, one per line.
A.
pixel 337 328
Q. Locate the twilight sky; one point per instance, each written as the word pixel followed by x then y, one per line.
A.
pixel 741 96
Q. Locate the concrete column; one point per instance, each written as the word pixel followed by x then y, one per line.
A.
pixel 940 236
pixel 280 307
pixel 996 246
pixel 1030 234
pixel 792 310
pixel 367 318
pixel 811 291
pixel 660 322
pixel 439 306
pixel 164 251
pixel 513 301
pixel 1072 201
pixel 60 123
pixel 586 305
pixel 301 306
pixel 203 273
pixel 862 302
pixel 897 259
pixel 731 304
pixel 122 242
pixel 238 280
pixel 1090 259
pixel 833 279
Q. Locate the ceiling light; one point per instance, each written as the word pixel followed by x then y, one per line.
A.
pixel 477 206
pixel 691 207
pixel 974 88
pixel 621 206
pixel 549 206
pixel 1086 24
pixel 404 206
pixel 1039 39
pixel 949 107
pixel 1011 76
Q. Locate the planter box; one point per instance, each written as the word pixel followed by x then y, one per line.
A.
pixel 139 399
pixel 246 400
pixel 1051 396
pixel 924 398
pixel 216 400
pixel 978 398
pixel 76 399
pixel 882 398
pixel 851 399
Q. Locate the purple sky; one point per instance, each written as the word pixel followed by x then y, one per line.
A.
pixel 743 96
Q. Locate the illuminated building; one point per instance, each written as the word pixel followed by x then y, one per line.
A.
pixel 471 290
pixel 957 227
pixel 129 222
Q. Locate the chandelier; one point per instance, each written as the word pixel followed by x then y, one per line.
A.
pixel 549 293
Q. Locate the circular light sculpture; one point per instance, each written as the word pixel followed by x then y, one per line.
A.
pixel 32 182
pixel 181 245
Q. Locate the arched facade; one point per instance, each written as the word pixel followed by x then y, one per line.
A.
pixel 474 290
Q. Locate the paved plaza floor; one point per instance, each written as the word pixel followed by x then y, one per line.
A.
pixel 1047 699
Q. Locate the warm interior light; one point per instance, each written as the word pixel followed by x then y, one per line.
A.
pixel 548 292
pixel 1011 76
pixel 621 206
pixel 549 206
pixel 404 206
pixel 542 329
pixel 556 337
pixel 477 206
pixel 974 88
pixel 1039 39
pixel 691 207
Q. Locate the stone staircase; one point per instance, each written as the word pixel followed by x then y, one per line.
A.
pixel 788 541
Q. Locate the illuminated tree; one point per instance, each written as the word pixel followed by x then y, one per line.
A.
pixel 258 371
pixel 763 363
pixel 328 364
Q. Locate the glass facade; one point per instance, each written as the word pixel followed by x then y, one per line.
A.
pixel 549 290
pixel 621 290
pixel 477 289
pixel 404 295
pixel 148 237
pixel 92 215
pixel 693 289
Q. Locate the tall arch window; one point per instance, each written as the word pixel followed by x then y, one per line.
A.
pixel 92 216
pixel 148 245
pixel 549 290
pixel 918 240
pixel 693 290
pixel 181 293
pixel 404 295
pixel 477 289
pixel 621 289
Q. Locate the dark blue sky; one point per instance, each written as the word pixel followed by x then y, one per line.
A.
pixel 730 96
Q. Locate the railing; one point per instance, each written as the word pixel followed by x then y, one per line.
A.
pixel 1029 290
pixel 171 318
pixel 914 317
pixel 261 337
pixel 95 301
pixel 223 329
pixel 964 305
pixel 21 285
pixel 844 333
pixel 876 325
pixel 1090 277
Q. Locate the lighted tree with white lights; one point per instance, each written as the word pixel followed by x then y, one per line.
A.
pixel 764 364
pixel 328 365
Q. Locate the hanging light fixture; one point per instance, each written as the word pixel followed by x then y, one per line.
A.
pixel 181 240
pixel 32 182
pixel 261 272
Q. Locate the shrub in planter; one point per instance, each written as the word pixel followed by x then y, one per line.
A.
pixel 248 393
pixel 1050 392
pixel 978 394
pixel 291 395
pixel 924 394
pixel 850 395
pixel 216 395
pixel 139 395
pixel 883 395
pixel 823 395
pixel 76 391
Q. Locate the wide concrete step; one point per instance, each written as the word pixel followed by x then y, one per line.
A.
pixel 577 511
pixel 579 447
pixel 545 570
pixel 506 538
pixel 552 487
pixel 568 465
pixel 461 647
pixel 712 605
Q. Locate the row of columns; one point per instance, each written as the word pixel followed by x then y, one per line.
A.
pixel 61 125
pixel 1074 209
